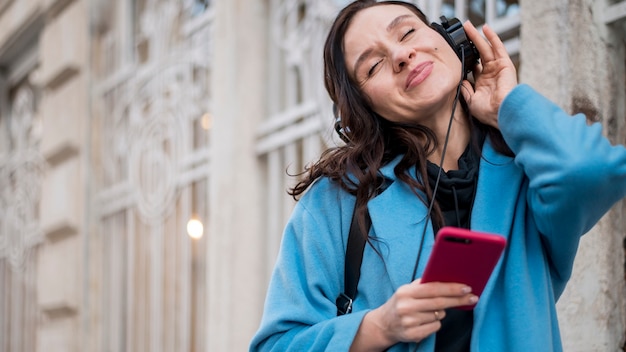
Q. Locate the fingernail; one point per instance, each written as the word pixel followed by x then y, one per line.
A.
pixel 466 289
pixel 473 299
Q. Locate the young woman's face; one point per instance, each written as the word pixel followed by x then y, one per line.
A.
pixel 407 69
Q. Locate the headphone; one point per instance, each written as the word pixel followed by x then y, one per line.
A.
pixel 452 31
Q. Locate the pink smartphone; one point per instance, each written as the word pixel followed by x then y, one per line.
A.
pixel 464 256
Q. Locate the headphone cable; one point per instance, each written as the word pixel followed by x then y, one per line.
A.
pixel 443 154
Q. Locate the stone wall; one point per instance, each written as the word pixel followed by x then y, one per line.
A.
pixel 235 252
pixel 64 109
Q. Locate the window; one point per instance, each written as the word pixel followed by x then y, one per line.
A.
pixel 152 116
pixel 501 15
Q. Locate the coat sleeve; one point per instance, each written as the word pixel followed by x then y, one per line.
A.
pixel 300 311
pixel 575 174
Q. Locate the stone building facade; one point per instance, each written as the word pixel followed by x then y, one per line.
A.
pixel 124 124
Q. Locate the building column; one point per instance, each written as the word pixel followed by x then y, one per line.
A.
pixel 235 275
pixel 570 55
pixel 62 76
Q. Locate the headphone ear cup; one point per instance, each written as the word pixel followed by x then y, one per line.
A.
pixel 340 130
pixel 454 34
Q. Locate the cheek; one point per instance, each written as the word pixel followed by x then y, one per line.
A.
pixel 451 59
pixel 379 96
pixel 381 91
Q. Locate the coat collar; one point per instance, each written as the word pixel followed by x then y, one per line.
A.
pixel 398 220
pixel 399 216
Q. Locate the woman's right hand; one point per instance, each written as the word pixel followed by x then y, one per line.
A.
pixel 495 76
pixel 410 315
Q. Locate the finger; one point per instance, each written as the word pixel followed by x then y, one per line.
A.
pixel 437 289
pixel 418 333
pixel 478 69
pixel 423 308
pixel 483 46
pixel 439 314
pixel 442 303
pixel 496 43
pixel 424 317
pixel 416 318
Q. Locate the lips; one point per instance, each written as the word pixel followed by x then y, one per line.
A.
pixel 419 74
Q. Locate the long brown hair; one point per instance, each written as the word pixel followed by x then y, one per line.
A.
pixel 372 140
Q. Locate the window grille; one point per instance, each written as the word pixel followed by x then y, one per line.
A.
pixel 152 115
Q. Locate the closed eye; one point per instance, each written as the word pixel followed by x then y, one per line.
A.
pixel 373 68
pixel 407 33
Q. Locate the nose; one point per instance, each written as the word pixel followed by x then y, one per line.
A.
pixel 402 56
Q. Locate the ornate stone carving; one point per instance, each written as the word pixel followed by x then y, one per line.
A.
pixel 153 168
pixel 20 181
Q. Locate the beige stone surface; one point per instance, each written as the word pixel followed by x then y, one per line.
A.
pixel 591 310
pixel 64 111
pixel 64 46
pixel 55 6
pixel 61 199
pixel 235 248
pixel 15 17
pixel 58 285
pixel 60 336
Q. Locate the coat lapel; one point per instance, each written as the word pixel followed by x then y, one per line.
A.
pixel 499 184
pixel 398 219
pixel 499 188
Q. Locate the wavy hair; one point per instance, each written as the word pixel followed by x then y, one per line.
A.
pixel 372 141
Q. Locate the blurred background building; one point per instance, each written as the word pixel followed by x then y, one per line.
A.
pixel 144 146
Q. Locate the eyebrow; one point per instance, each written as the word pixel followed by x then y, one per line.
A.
pixel 397 21
pixel 366 54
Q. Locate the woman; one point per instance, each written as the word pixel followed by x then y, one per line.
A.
pixel 511 162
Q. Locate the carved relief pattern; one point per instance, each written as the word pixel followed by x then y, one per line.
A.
pixel 154 156
pixel 151 115
pixel 298 29
pixel 20 180
pixel 21 171
pixel 299 122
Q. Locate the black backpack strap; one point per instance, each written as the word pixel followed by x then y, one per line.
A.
pixel 354 257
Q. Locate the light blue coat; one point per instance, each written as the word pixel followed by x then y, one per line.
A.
pixel 564 177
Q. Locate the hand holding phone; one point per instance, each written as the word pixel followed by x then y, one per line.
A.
pixel 464 256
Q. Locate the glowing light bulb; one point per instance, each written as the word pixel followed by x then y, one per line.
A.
pixel 206 121
pixel 195 229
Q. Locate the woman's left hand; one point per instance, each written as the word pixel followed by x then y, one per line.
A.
pixel 495 76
